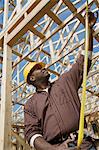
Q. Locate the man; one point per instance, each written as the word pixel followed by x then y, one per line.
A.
pixel 52 113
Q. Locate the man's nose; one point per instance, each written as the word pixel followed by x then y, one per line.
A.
pixel 43 70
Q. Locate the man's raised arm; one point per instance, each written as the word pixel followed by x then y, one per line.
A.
pixel 76 71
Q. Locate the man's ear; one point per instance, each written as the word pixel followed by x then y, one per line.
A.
pixel 32 78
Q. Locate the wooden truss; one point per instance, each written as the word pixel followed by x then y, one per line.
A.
pixel 51 31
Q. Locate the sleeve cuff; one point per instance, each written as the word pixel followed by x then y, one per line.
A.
pixel 89 54
pixel 33 139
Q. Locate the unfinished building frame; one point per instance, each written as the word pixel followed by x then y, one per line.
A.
pixel 51 31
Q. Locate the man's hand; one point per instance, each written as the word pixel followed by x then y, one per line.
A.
pixel 92 18
pixel 86 144
pixel 64 146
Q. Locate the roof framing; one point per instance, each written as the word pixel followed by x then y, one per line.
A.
pixel 39 32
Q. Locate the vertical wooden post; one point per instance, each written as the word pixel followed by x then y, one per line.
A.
pixel 6 8
pixel 31 39
pixel 6 87
pixel 50 44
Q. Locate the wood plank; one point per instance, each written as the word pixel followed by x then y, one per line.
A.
pixel 1 25
pixel 19 15
pixel 9 26
pixel 1 41
pixel 97 3
pixel 33 17
pixel 54 17
pixel 96 32
pixel 6 98
pixel 37 33
pixel 1 59
pixel 71 50
pixel 32 5
pixel 66 21
pixel 21 141
pixel 36 2
pixel 20 55
pixel 73 9
pixel 69 36
pixel 6 9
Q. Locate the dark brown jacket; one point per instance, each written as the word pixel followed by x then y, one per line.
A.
pixel 56 112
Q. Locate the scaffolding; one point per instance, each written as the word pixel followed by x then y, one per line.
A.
pixel 51 31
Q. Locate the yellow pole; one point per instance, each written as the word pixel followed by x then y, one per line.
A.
pixel 81 124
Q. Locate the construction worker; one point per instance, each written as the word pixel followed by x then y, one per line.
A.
pixel 52 113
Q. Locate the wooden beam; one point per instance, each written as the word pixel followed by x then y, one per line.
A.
pixel 93 93
pixel 14 22
pixel 66 21
pixel 35 3
pixel 96 32
pixel 93 73
pixel 18 3
pixel 6 98
pixel 32 18
pixel 54 17
pixel 20 55
pixel 73 9
pixel 32 9
pixel 71 50
pixel 23 11
pixel 1 10
pixel 20 126
pixel 1 42
pixel 37 33
pixel 21 141
pixel 6 8
pixel 1 59
pixel 97 3
pixel 1 25
pixel 69 36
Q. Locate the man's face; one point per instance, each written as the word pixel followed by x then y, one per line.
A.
pixel 39 75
